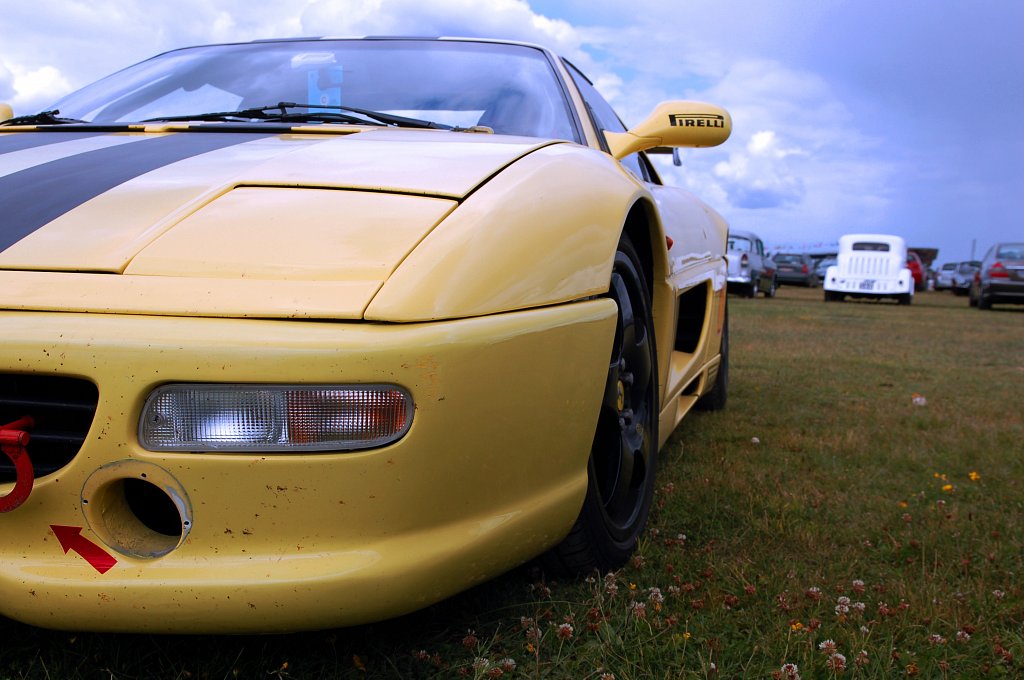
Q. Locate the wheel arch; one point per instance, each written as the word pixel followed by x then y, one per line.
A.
pixel 542 232
pixel 642 227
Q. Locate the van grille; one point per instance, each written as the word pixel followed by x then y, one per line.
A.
pixel 870 266
pixel 63 409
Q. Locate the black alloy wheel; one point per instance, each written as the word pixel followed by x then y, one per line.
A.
pixel 623 457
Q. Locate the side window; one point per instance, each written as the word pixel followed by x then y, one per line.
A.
pixel 605 118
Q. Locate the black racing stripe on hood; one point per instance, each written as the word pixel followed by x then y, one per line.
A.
pixel 36 196
pixel 19 141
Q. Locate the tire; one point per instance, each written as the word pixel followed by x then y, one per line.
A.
pixel 716 398
pixel 773 287
pixel 623 457
pixel 752 290
pixel 905 298
pixel 984 301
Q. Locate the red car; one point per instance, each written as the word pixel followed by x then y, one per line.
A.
pixel 916 267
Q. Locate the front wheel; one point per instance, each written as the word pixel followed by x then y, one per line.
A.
pixel 623 456
pixel 773 287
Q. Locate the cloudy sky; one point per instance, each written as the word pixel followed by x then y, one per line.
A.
pixel 894 116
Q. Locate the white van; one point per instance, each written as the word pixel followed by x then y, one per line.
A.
pixel 872 266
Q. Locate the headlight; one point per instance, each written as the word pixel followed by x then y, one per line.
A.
pixel 185 417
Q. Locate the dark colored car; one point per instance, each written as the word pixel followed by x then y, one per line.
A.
pixel 822 265
pixel 1000 278
pixel 795 269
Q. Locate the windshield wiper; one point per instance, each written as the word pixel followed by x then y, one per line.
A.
pixel 267 113
pixel 386 118
pixel 258 113
pixel 41 118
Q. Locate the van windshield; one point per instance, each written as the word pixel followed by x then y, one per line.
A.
pixel 868 245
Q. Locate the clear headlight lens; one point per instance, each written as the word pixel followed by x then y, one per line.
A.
pixel 185 417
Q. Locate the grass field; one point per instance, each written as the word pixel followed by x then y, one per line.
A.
pixel 856 511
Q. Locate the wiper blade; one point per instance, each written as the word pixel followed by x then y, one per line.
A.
pixel 259 113
pixel 41 118
pixel 279 112
pixel 386 118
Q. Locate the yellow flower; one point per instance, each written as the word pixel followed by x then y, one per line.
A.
pixel 795 626
pixel 904 504
pixel 974 476
pixel 948 488
pixel 632 586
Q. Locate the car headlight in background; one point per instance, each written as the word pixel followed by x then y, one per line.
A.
pixel 282 418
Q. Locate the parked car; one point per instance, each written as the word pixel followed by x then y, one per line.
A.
pixel 1000 278
pixel 870 266
pixel 964 276
pixel 822 265
pixel 751 270
pixel 309 333
pixel 944 276
pixel 795 269
pixel 917 271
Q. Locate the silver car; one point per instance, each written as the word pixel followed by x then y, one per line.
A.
pixel 750 269
pixel 964 276
pixel 944 277
pixel 1000 279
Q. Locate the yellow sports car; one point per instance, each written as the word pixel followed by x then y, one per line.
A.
pixel 306 333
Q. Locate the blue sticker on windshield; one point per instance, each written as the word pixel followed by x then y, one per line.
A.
pixel 325 86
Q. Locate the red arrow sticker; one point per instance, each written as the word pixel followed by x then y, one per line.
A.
pixel 71 539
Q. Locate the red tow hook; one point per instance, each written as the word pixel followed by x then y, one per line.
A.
pixel 13 440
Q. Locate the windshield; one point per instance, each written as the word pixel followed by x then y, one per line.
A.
pixel 788 259
pixel 875 247
pixel 512 89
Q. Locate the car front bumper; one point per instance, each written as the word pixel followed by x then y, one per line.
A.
pixel 491 472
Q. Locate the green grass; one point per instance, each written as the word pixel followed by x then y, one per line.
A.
pixel 821 480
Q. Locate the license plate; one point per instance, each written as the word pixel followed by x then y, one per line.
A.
pixel 869 284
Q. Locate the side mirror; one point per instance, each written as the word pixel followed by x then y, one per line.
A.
pixel 6 112
pixel 674 124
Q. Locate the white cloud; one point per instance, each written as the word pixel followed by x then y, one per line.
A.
pixel 6 83
pixel 509 19
pixel 45 83
pixel 759 177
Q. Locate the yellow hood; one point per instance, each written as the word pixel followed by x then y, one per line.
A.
pixel 226 223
